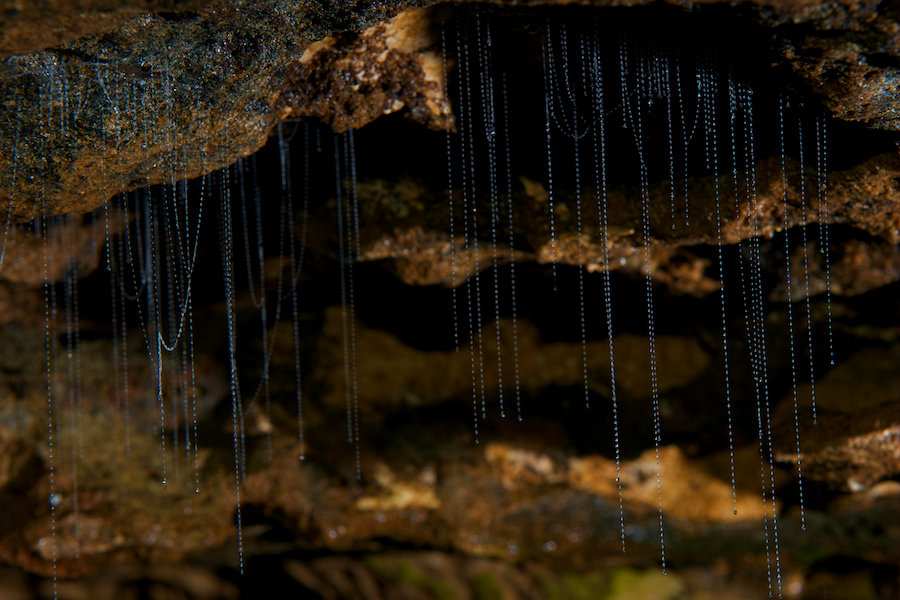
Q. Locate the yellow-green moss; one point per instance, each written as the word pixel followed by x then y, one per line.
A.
pixel 485 587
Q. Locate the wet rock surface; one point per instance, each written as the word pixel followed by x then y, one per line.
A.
pixel 162 95
pixel 846 452
pixel 179 92
pixel 422 253
pixel 531 501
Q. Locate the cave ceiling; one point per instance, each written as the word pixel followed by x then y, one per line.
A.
pixel 211 80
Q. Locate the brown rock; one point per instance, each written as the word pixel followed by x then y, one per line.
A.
pixel 855 442
pixel 394 375
pixel 405 222
pixel 107 112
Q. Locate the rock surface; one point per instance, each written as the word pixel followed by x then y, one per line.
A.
pixel 524 494
pixel 117 102
pixel 866 197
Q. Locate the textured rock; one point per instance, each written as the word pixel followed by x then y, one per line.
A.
pixel 161 96
pixel 394 575
pixel 74 243
pixel 395 375
pixel 866 197
pixel 524 493
pixel 856 440
pixel 391 66
pixel 110 503
pixel 176 94
pixel 25 28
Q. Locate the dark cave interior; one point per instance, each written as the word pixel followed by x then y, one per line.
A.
pixel 500 142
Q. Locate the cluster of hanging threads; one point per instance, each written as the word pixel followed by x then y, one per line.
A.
pixel 656 84
pixel 152 263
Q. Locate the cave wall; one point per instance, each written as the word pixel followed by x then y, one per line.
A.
pixel 101 100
